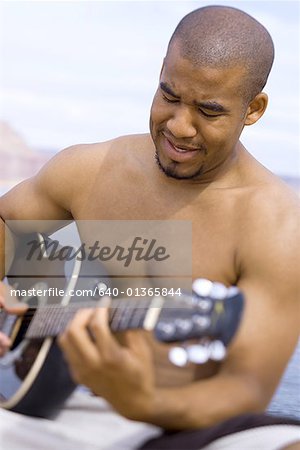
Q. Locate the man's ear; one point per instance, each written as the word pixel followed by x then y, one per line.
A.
pixel 256 108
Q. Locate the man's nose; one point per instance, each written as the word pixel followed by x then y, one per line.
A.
pixel 181 124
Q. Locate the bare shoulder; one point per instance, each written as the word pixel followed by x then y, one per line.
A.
pixel 269 238
pixel 60 183
pixel 92 157
pixel 267 254
pixel 268 210
pixel 93 167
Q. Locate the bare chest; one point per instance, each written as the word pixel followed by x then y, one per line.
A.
pixel 212 221
pixel 213 243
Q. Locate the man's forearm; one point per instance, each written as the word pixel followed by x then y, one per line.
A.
pixel 204 403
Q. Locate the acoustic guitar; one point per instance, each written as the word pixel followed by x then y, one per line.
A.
pixel 34 378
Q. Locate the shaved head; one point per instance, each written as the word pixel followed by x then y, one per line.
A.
pixel 221 36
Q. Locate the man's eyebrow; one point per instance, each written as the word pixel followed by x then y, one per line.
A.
pixel 210 105
pixel 167 89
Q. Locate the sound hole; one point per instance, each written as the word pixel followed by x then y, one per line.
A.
pixel 25 361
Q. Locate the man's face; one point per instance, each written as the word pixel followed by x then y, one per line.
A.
pixel 197 117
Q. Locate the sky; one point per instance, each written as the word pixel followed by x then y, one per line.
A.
pixel 86 71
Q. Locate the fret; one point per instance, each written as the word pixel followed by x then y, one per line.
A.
pixel 125 319
pixel 139 313
pixel 153 313
pixel 129 314
pixel 112 313
pixel 115 314
pixel 115 324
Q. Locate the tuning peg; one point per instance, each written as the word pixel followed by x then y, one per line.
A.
pixel 198 353
pixel 232 291
pixel 178 356
pixel 219 291
pixel 202 287
pixel 206 288
pixel 217 350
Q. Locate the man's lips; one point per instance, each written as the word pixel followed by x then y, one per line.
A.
pixel 179 153
pixel 184 149
pixel 179 147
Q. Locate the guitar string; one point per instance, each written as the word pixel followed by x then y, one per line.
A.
pixel 120 318
pixel 53 329
pixel 123 305
pixel 124 314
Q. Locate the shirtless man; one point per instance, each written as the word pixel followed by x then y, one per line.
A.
pixel 192 166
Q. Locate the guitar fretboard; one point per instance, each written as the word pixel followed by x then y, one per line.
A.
pixel 51 320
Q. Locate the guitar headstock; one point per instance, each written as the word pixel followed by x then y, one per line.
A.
pixel 212 312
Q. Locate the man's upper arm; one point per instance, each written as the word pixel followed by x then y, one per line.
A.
pixel 52 193
pixel 48 196
pixel 271 283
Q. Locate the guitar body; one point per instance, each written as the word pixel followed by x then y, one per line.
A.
pixel 37 382
pixel 34 378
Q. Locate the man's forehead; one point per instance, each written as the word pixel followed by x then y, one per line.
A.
pixel 182 76
pixel 174 58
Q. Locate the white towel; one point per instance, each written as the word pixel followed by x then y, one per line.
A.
pixel 270 437
pixel 85 423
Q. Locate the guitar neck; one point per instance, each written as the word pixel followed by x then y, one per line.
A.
pixel 51 320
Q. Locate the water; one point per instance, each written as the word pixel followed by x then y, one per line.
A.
pixel 287 398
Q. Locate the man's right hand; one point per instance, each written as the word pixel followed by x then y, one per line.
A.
pixel 12 305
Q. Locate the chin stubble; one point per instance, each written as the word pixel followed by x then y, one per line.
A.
pixel 170 170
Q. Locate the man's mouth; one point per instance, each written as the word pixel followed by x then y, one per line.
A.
pixel 179 153
pixel 183 149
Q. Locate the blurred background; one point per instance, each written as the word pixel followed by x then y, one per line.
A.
pixel 85 71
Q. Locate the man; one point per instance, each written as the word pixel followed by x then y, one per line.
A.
pixel 245 224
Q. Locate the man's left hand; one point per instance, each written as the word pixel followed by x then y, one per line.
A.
pixel 122 374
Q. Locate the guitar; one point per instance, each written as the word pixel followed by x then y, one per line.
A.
pixel 34 378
